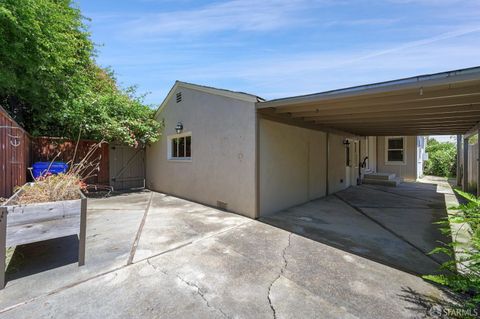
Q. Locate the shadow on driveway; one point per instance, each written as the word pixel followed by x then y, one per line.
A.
pixel 393 226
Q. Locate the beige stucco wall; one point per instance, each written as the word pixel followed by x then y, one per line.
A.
pixel 223 152
pixel 407 171
pixel 293 165
pixel 337 164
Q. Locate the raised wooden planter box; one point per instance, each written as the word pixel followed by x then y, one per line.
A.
pixel 24 224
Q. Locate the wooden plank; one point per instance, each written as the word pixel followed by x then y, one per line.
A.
pixel 471 118
pixel 473 130
pixel 127 167
pixel 82 236
pixel 40 231
pixel 37 213
pixel 13 159
pixel 384 91
pixel 270 114
pixel 384 104
pixel 374 113
pixel 46 148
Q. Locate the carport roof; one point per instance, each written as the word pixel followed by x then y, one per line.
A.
pixel 434 104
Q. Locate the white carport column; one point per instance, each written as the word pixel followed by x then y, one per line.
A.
pixel 459 161
pixel 478 162
pixel 465 164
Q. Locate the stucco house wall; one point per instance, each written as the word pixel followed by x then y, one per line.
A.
pixel 337 179
pixel 292 165
pixel 222 167
pixel 407 171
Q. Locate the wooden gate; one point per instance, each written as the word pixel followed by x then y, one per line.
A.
pixel 127 167
pixel 14 154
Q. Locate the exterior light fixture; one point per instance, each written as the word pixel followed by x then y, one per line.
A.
pixel 179 128
pixel 346 142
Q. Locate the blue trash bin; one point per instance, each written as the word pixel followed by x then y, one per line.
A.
pixel 40 168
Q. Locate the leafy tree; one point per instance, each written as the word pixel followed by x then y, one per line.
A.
pixel 50 83
pixel 442 158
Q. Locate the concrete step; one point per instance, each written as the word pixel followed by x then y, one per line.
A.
pixel 394 182
pixel 380 176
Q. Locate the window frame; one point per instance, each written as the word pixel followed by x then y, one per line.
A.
pixel 170 139
pixel 404 150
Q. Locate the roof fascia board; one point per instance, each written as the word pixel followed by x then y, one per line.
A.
pixel 378 88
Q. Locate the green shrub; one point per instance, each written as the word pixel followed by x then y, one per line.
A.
pixel 51 84
pixel 464 271
pixel 442 158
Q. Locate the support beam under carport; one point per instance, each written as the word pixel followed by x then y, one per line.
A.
pixel 478 162
pixel 465 164
pixel 459 172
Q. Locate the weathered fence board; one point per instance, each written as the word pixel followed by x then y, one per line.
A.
pixel 45 149
pixel 14 154
pixel 127 167
pixel 24 224
pixel 28 214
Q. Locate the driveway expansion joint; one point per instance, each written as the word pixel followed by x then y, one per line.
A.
pixel 359 210
pixel 139 232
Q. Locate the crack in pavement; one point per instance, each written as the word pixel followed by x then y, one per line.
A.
pixel 282 270
pixel 156 268
pixel 202 295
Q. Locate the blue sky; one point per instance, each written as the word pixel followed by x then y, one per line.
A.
pixel 278 48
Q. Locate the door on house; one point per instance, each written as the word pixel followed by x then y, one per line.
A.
pixel 127 167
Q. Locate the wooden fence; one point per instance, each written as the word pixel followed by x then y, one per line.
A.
pixel 45 149
pixel 19 151
pixel 14 155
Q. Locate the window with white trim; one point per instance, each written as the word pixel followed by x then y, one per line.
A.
pixel 180 146
pixel 395 150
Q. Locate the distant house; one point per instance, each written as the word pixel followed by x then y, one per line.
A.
pixel 238 152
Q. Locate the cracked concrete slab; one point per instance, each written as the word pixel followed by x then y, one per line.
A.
pixel 333 222
pixel 394 226
pixel 213 278
pixel 172 222
pixel 110 234
pixel 196 261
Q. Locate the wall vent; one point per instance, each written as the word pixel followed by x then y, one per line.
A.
pixel 179 97
pixel 221 205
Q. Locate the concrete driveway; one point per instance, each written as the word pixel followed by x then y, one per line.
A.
pixel 155 256
pixel 395 226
